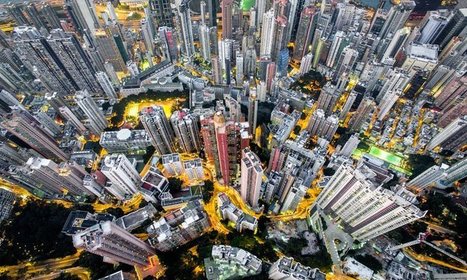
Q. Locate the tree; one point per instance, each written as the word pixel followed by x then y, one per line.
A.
pixel 328 171
pixel 369 261
pixel 35 233
pixel 420 163
pixel 208 191
pixel 297 129
pixel 67 276
pixel 117 212
pixel 175 185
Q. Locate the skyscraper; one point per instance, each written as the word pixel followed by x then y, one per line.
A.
pixel 96 118
pixel 227 6
pixel 148 36
pixel 432 25
pixel 123 176
pixel 59 61
pixel 452 137
pixel 398 15
pixel 184 18
pixel 386 103
pixel 251 177
pixel 158 127
pixel 267 31
pixel 348 104
pixel 114 244
pixel 306 63
pixel 24 126
pixel 457 26
pixel 163 12
pixel 363 114
pixel 338 44
pixel 107 86
pixel 186 130
pixel 350 145
pixel 369 211
pixel 328 98
pixel 230 138
pixel 50 16
pixel 252 112
pixel 346 62
pixel 83 16
pixel 108 49
pixel 169 43
pixel 306 28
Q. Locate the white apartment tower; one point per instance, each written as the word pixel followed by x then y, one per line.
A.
pixel 122 174
pixel 185 126
pixel 107 86
pixel 267 31
pixel 97 120
pixel 114 244
pixel 158 127
pixel 367 210
pixel 251 177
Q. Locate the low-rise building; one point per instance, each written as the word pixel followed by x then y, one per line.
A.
pixel 154 184
pixel 172 164
pixel 231 263
pixel 136 218
pixel 193 169
pixel 287 268
pixel 125 140
pixel 230 212
pixel 352 267
pixel 78 221
pixel 179 227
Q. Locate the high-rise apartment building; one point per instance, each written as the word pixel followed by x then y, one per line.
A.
pixel 251 177
pixel 83 16
pixel 452 137
pixel 350 145
pixel 24 126
pixel 107 87
pixel 227 9
pixel 52 178
pixel 186 130
pixel 398 15
pixel 328 98
pixel 163 12
pixel 267 32
pixel 366 209
pixel 123 176
pixel 58 60
pixel 115 244
pixel 305 32
pixel 231 138
pixel 184 19
pixel 95 116
pixel 363 114
pixel 158 127
pixel 348 104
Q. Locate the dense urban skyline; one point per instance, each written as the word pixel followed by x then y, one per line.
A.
pixel 256 139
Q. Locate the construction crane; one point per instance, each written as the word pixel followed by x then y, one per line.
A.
pixel 422 239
